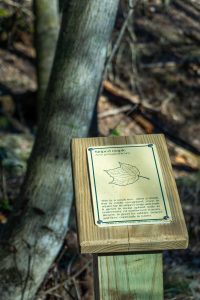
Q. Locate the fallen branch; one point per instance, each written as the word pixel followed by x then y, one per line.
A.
pixel 144 123
pixel 145 119
pixel 126 96
pixel 116 111
pixel 161 127
pixel 160 65
pixel 118 92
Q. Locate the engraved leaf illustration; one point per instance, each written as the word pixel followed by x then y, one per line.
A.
pixel 125 174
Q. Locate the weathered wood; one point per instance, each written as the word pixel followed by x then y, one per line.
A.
pixel 36 234
pixel 94 239
pixel 136 276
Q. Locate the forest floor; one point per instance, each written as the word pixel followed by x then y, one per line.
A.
pixel 152 86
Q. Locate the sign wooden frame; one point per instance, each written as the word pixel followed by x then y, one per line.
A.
pixel 94 239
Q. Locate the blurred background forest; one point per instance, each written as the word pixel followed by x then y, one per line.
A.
pixel 151 85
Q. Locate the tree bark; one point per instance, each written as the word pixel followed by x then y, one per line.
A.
pixel 36 234
pixel 166 2
pixel 47 24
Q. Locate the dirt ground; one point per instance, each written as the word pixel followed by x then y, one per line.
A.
pixel 151 85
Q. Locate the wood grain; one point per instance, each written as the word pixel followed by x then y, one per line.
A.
pixel 94 239
pixel 136 276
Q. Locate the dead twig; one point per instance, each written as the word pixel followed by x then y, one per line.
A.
pixel 61 254
pixel 121 34
pixel 69 293
pixel 129 113
pixel 118 92
pixel 116 111
pixel 136 78
pixel 70 265
pixel 160 65
pixel 19 6
pixel 76 289
pixel 69 280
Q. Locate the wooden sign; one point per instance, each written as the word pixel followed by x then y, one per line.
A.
pixel 127 185
pixel 126 181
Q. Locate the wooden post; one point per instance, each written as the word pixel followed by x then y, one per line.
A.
pixel 127 259
pixel 130 276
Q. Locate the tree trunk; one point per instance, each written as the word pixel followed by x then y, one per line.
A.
pixel 47 25
pixel 166 2
pixel 36 234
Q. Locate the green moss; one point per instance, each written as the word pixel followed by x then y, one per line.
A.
pixel 5 205
pixel 4 122
pixel 4 12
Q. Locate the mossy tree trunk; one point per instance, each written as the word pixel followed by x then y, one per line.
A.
pixel 36 234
